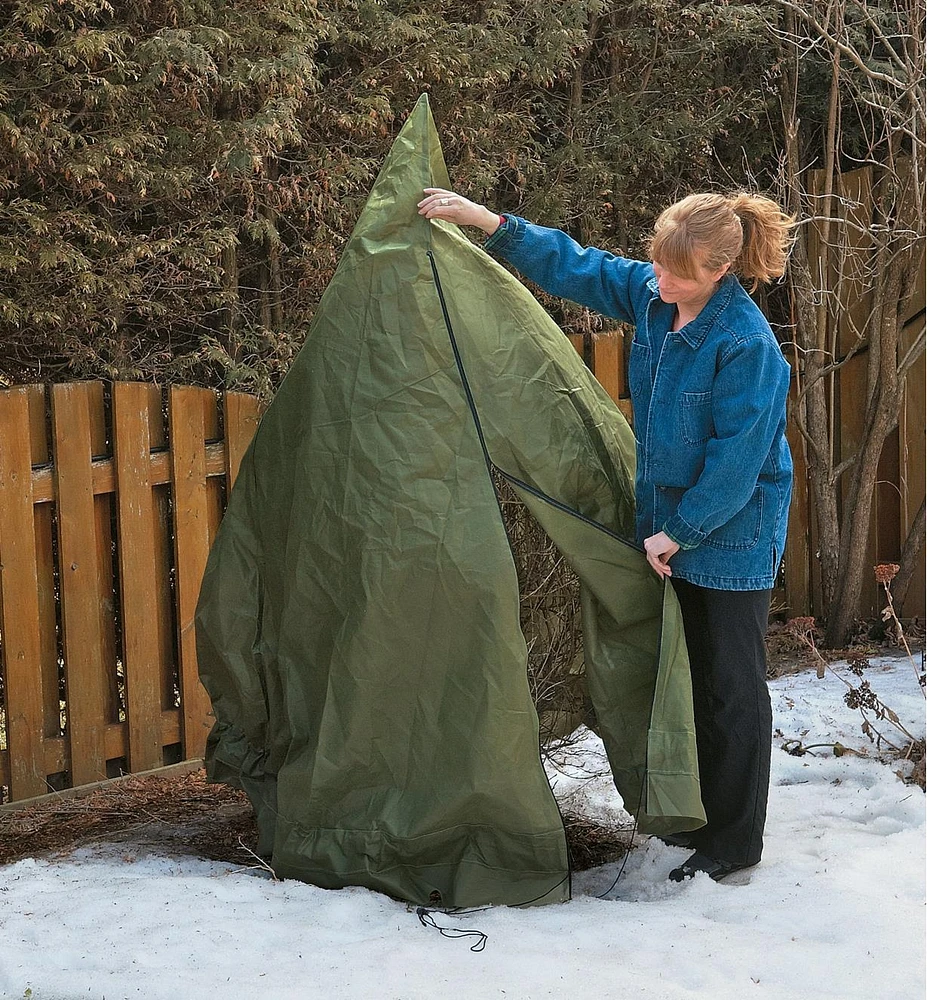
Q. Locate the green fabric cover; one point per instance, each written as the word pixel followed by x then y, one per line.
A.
pixel 358 624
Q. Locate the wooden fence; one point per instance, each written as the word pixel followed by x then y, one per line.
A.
pixel 109 500
pixel 104 533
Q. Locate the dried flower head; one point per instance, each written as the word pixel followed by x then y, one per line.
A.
pixel 801 627
pixel 857 664
pixel 862 697
pixel 886 572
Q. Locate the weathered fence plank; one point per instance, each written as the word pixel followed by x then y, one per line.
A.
pixel 83 639
pixel 191 547
pixel 216 491
pixel 162 609
pixel 608 368
pixel 606 358
pixel 45 570
pixel 19 596
pixel 141 636
pixel 242 413
pixel 57 754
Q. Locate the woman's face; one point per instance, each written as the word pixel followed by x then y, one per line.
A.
pixel 688 292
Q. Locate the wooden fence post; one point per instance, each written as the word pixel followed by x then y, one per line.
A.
pixel 79 579
pixel 242 413
pixel 45 568
pixel 141 638
pixel 608 368
pixel 191 548
pixel 19 614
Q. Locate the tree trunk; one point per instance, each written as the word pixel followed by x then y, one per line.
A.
pixel 811 414
pixel 271 285
pixel 817 421
pixel 231 313
pixel 883 401
pixel 614 54
pixel 813 420
pixel 844 603
pixel 576 85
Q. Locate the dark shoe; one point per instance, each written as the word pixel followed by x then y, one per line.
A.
pixel 712 867
pixel 678 840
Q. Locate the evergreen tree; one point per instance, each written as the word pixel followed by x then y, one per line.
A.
pixel 179 176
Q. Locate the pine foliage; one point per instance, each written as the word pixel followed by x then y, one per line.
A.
pixel 178 177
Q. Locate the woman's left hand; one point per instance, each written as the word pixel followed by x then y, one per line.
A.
pixel 660 548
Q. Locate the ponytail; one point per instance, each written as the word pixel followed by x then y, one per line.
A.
pixel 767 238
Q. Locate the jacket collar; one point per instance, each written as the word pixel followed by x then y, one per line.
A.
pixel 695 332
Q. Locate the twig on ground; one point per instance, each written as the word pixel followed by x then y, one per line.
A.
pixel 261 863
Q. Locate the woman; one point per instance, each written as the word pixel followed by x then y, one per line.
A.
pixel 708 385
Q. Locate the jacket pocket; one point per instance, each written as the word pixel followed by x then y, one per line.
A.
pixel 744 528
pixel 638 367
pixel 697 425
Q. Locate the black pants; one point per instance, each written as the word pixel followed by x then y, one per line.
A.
pixel 725 632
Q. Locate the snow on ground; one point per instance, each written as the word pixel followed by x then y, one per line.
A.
pixel 835 911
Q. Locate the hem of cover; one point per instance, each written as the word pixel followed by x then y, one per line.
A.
pixel 246 771
pixel 510 887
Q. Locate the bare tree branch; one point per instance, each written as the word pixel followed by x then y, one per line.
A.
pixel 838 45
pixel 912 354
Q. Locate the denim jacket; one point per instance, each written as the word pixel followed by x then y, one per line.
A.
pixel 713 466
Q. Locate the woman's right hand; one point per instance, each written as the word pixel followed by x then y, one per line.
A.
pixel 452 207
pixel 659 549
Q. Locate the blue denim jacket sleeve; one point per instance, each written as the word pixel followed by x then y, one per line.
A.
pixel 746 424
pixel 614 286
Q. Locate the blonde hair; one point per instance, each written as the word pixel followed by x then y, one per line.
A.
pixel 747 231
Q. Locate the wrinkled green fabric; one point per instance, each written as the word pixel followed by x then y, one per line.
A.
pixel 358 624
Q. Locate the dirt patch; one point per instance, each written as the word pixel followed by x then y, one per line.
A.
pixel 176 815
pixel 186 816
pixel 785 652
pixel 788 653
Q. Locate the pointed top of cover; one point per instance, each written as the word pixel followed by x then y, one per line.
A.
pixel 414 162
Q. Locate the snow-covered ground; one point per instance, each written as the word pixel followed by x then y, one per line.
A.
pixel 836 911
